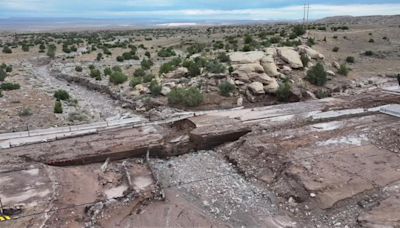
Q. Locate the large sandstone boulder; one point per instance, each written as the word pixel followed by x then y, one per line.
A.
pixel 272 86
pixel 310 52
pixel 178 73
pixel 269 66
pixel 271 52
pixel 245 72
pixel 246 57
pixel 290 56
pixel 256 88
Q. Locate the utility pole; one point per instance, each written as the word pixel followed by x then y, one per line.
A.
pixel 304 15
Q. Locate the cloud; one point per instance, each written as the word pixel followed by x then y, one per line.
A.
pixel 289 12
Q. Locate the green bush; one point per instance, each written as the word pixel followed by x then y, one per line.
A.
pixel 51 51
pixel 299 30
pixel 170 66
pixel 215 67
pixel 146 64
pixel 343 70
pixel 166 52
pixel 135 81
pixel 155 88
pixel 223 57
pixel 248 39
pixel 7 50
pixel 335 49
pixel 117 68
pixel 95 73
pixel 226 88
pixel 195 48
pixel 61 95
pixel 148 78
pixel 3 75
pixel 283 92
pixel 193 68
pixel 1 93
pixel 139 72
pixel 107 71
pixel 350 59
pixel 191 97
pixel 25 48
pixel 99 56
pixel 58 107
pixel 310 41
pixel 78 69
pixel 371 41
pixel 120 59
pixel 369 53
pixel 9 69
pixel 317 75
pixel 118 78
pixel 9 86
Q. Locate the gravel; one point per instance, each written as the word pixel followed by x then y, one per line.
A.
pixel 207 178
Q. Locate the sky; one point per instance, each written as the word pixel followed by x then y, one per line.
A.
pixel 194 9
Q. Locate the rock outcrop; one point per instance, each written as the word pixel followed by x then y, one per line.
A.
pixel 290 56
pixel 246 57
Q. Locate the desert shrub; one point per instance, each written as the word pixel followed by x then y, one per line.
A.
pixel 335 37
pixel 120 59
pixel 343 70
pixel 248 39
pixel 9 86
pixel 51 51
pixel 223 57
pixel 135 81
pixel 299 30
pixel 317 75
pixel 7 50
pixel 78 69
pixel 155 88
pixel 369 53
pixel 117 68
pixel 107 71
pixel 146 64
pixel 230 69
pixel 275 40
pixel 283 92
pixel 170 66
pixel 3 75
pixel 95 73
pixel 247 48
pixel 193 68
pixel 148 78
pixel 166 52
pixel 147 53
pixel 92 67
pixel 9 69
pixel 304 59
pixel 1 93
pixel 99 56
pixel 191 97
pixel 25 48
pixel 139 72
pixel 371 41
pixel 310 41
pixel 215 67
pixel 350 59
pixel 218 45
pixel 58 107
pixel 226 88
pixel 61 95
pixel 195 48
pixel 335 49
pixel 25 112
pixel 118 77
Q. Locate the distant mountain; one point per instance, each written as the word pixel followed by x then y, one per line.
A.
pixel 387 20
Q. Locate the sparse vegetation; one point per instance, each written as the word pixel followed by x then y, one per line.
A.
pixel 226 88
pixel 335 49
pixel 317 75
pixel 283 92
pixel 9 86
pixel 58 108
pixel 61 95
pixel 343 70
pixel 350 59
pixel 118 78
pixel 190 97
